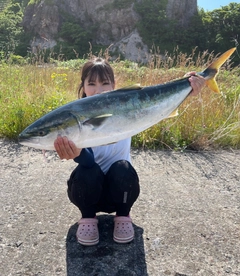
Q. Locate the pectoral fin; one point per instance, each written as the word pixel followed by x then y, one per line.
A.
pixel 97 121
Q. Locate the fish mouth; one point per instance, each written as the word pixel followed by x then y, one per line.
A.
pixel 23 139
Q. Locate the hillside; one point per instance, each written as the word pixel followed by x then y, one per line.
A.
pixel 103 22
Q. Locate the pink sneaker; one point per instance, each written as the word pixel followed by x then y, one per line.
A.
pixel 123 229
pixel 87 232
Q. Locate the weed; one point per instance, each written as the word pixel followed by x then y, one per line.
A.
pixel 208 120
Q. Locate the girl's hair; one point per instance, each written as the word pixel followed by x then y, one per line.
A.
pixel 93 69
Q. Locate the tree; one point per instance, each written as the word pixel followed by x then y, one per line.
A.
pixel 75 39
pixel 223 27
pixel 10 27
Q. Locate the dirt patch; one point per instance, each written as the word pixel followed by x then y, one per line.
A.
pixel 186 219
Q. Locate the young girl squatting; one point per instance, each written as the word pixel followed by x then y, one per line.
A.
pixel 104 179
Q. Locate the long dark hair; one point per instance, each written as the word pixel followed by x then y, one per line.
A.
pixel 95 68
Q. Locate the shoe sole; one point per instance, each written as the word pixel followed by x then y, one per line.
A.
pixel 88 243
pixel 123 240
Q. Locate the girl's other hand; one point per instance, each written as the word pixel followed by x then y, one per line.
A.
pixel 66 149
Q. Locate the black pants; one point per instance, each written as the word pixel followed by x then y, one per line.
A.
pixel 92 191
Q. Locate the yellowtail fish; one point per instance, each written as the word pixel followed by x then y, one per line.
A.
pixel 112 116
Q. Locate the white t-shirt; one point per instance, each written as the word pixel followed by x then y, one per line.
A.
pixel 105 156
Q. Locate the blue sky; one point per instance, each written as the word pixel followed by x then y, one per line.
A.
pixel 209 5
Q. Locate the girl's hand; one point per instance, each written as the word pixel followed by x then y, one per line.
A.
pixel 66 149
pixel 197 83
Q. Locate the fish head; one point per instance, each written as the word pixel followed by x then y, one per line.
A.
pixel 42 133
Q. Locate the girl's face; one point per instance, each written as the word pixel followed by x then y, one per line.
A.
pixel 93 87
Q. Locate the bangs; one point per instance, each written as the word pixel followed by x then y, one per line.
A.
pixel 100 72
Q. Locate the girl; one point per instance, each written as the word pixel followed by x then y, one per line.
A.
pixel 104 179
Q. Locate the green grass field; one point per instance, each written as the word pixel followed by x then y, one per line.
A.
pixel 208 120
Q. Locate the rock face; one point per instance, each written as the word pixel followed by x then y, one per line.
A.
pixel 132 48
pixel 116 23
pixel 181 11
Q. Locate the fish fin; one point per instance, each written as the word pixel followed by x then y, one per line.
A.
pixel 97 121
pixel 212 70
pixel 109 144
pixel 174 113
pixel 219 62
pixel 212 84
pixel 136 86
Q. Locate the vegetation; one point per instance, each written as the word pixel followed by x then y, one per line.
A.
pixel 153 14
pixel 12 36
pixel 208 120
pixel 117 4
pixel 30 88
pixel 216 30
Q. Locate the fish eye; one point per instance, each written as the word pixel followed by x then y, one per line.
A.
pixel 42 133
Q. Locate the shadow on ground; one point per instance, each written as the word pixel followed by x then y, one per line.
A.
pixel 108 257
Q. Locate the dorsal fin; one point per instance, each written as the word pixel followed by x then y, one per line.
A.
pixel 136 86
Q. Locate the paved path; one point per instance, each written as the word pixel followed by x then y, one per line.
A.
pixel 186 220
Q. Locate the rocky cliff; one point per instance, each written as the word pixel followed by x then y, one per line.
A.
pixel 115 20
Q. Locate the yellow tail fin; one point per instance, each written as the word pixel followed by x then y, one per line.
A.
pixel 211 72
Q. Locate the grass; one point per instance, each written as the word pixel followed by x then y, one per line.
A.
pixel 208 120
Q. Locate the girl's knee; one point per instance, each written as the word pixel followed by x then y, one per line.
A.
pixel 123 181
pixel 122 171
pixel 85 185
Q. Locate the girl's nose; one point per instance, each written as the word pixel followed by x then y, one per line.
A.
pixel 99 89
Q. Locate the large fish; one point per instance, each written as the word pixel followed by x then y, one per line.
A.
pixel 112 116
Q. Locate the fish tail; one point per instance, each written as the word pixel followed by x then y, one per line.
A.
pixel 213 69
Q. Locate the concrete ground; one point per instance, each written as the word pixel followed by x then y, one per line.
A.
pixel 186 219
